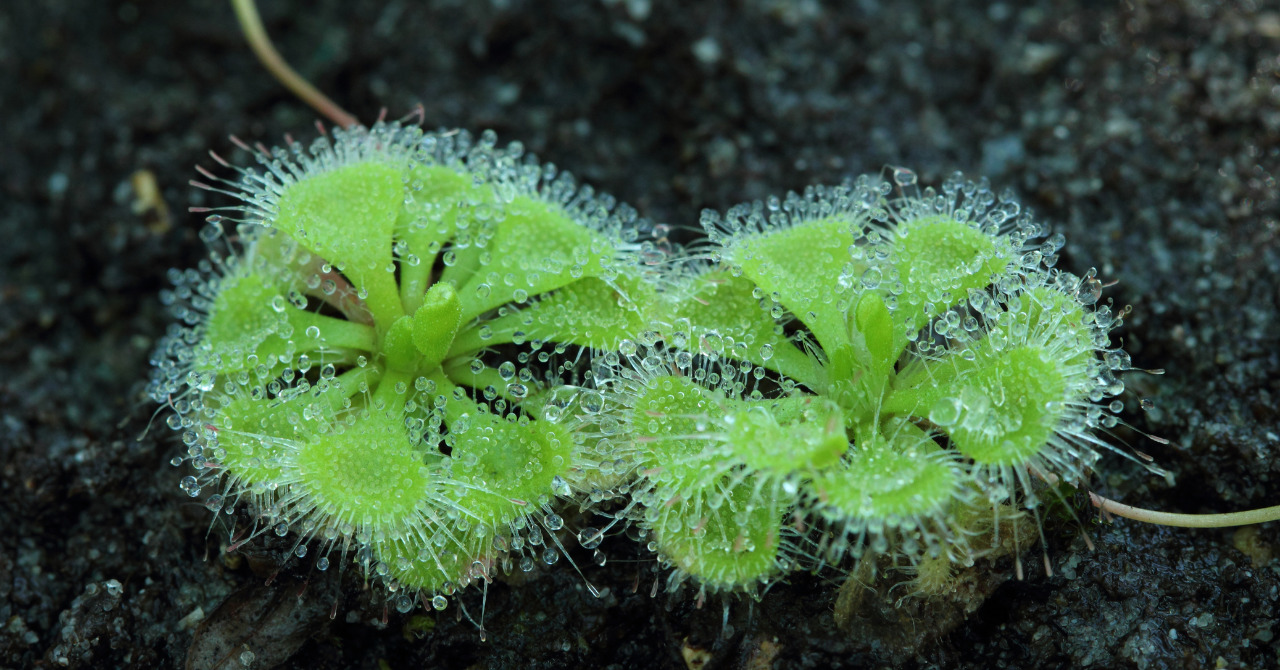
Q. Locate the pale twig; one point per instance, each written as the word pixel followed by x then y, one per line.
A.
pixel 251 24
pixel 1186 520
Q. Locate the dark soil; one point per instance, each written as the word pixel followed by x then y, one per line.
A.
pixel 1147 132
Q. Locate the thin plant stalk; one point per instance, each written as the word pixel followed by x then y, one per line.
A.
pixel 251 24
pixel 1186 520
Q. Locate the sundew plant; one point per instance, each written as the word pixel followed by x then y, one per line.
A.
pixel 421 352
pixel 369 355
pixel 858 368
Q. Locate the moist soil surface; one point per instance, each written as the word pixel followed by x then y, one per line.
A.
pixel 1146 132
